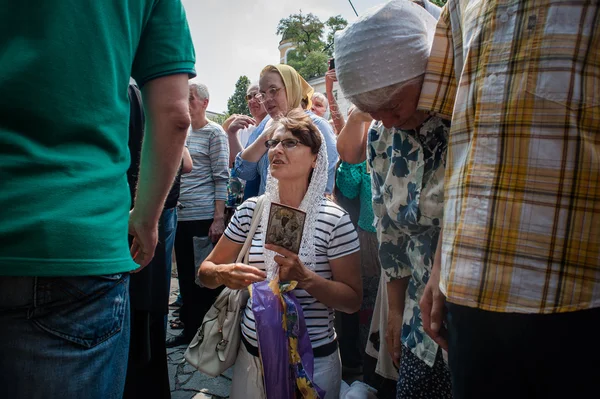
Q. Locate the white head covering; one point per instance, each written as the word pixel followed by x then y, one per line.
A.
pixel 389 44
pixel 313 196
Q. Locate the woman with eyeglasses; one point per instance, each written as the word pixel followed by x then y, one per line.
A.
pixel 327 268
pixel 282 90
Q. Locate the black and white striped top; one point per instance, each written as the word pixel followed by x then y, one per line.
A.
pixel 335 237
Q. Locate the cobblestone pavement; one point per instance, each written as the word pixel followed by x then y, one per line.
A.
pixel 187 382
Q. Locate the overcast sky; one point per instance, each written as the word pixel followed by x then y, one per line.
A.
pixel 238 37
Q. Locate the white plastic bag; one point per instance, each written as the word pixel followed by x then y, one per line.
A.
pixel 358 390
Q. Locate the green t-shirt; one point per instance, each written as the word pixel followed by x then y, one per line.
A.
pixel 64 115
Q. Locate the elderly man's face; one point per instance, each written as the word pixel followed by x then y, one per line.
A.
pixel 400 110
pixel 196 103
pixel 257 110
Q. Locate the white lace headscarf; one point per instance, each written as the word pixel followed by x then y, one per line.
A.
pixel 388 44
pixel 310 204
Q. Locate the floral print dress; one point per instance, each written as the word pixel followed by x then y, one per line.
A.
pixel 407 177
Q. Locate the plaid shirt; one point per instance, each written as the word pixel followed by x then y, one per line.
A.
pixel 521 80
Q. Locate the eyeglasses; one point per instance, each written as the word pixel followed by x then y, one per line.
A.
pixel 252 96
pixel 286 143
pixel 271 93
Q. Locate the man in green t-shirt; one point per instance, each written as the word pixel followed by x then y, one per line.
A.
pixel 64 199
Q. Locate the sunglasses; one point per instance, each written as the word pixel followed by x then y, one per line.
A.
pixel 286 143
pixel 252 96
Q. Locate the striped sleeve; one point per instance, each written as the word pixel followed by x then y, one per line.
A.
pixel 219 161
pixel 238 227
pixel 343 239
pixel 439 87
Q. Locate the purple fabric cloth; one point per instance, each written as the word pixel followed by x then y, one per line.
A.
pixel 284 345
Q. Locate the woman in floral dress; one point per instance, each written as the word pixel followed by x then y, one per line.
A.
pixel 405 150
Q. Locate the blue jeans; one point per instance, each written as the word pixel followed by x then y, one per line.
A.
pixel 64 337
pixel 169 221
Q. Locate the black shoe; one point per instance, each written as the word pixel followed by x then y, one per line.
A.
pixel 177 303
pixel 177 340
pixel 352 370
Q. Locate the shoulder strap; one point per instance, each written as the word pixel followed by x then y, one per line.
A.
pixel 256 216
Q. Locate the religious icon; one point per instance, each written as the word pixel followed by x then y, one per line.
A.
pixel 285 227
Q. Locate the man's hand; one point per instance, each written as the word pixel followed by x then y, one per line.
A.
pixel 228 121
pixel 216 229
pixel 145 238
pixel 240 122
pixel 167 122
pixel 393 336
pixel 433 306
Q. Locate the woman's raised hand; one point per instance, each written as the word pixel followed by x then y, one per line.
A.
pixel 237 275
pixel 330 78
pixel 360 115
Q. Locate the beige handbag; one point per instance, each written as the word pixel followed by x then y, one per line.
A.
pixel 215 346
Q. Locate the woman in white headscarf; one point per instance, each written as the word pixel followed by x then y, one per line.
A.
pixel 380 63
pixel 327 267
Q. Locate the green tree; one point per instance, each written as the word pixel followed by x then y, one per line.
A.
pixel 312 65
pixel 334 24
pixel 312 39
pixel 439 2
pixel 237 102
pixel 219 118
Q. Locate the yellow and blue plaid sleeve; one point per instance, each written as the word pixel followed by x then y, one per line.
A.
pixel 439 87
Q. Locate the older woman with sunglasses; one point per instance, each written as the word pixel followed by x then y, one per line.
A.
pixel 282 89
pixel 327 268
pixel 239 128
pixel 242 130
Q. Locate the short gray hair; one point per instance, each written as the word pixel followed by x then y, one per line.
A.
pixel 321 97
pixel 201 90
pixel 253 85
